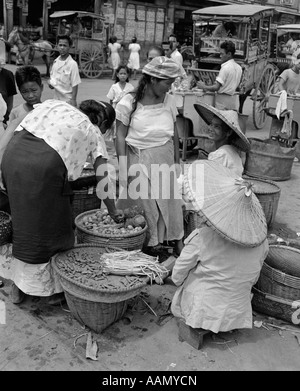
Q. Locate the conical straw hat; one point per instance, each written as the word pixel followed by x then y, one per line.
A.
pixel 230 117
pixel 227 202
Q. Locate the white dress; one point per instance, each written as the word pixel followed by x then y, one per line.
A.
pixel 114 54
pixel 134 58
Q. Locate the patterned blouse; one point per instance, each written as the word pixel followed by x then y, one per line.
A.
pixel 68 131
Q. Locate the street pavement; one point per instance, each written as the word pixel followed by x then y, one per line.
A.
pixel 39 337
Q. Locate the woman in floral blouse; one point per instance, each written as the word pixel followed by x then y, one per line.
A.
pixel 49 149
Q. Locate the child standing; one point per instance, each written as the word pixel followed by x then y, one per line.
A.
pixel 120 88
pixel 64 75
pixel 29 82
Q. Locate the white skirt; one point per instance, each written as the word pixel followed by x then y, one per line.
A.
pixel 34 280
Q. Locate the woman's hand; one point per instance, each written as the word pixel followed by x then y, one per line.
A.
pixel 117 215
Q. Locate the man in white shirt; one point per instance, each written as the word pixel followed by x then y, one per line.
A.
pixel 64 75
pixel 227 81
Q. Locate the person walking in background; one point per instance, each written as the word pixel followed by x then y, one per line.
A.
pixel 114 48
pixel 134 57
pixel 227 81
pixel 64 75
pixel 147 136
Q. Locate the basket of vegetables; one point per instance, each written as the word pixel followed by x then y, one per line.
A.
pixel 97 227
pixel 95 297
pixel 5 228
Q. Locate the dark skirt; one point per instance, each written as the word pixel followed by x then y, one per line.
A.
pixel 39 195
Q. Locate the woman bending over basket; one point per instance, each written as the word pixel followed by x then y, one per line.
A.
pixel 48 151
pixel 147 137
pixel 221 261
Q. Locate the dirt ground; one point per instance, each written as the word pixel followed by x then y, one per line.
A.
pixel 38 337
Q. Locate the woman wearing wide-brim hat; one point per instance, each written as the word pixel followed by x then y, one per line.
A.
pixel 221 261
pixel 225 131
pixel 147 137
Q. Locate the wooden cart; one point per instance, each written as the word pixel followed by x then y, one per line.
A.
pixel 88 41
pixel 251 33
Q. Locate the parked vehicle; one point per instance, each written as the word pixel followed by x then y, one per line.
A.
pixel 88 41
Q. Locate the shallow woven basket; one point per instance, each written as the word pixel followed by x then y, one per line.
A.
pixel 277 283
pixel 5 228
pixel 285 259
pixel 130 241
pixel 95 308
pixel 268 193
pixel 84 201
pixel 275 306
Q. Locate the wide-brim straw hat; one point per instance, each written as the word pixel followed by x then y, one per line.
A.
pixel 227 202
pixel 163 68
pixel 229 117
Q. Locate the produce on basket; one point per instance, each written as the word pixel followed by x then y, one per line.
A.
pixel 134 263
pixel 101 222
pixel 88 270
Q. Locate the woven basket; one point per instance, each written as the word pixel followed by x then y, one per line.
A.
pixel 276 307
pixel 95 308
pixel 268 193
pixel 84 201
pixel 96 316
pixel 285 259
pixel 5 228
pixel 279 284
pixel 130 241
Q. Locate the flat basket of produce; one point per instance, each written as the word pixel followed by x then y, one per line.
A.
pixel 5 228
pixel 90 228
pixel 275 306
pixel 95 297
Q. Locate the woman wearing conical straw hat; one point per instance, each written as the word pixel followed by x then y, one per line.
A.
pixel 221 261
pixel 229 140
pixel 224 130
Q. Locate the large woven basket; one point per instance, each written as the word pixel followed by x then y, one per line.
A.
pixel 268 194
pixel 279 284
pixel 285 259
pixel 5 228
pixel 130 241
pixel 94 307
pixel 275 306
pixel 85 200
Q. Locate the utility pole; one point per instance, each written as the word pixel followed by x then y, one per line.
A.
pixel 45 19
pixel 97 6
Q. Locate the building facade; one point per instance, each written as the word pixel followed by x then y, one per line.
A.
pixel 151 22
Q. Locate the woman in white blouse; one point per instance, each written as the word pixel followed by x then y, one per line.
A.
pixel 225 131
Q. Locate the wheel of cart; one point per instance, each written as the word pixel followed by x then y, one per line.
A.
pixel 88 34
pixel 91 61
pixel 261 95
pixel 250 31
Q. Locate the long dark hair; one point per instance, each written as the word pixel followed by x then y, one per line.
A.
pixel 139 92
pixel 118 70
pixel 98 111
